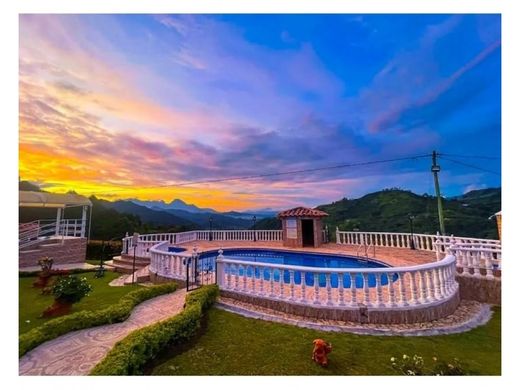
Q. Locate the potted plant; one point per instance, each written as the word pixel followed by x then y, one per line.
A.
pixel 43 277
pixel 67 291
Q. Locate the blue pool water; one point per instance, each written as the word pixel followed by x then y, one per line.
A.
pixel 207 262
pixel 175 249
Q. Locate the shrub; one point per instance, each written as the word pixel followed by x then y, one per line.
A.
pixel 130 355
pixel 415 366
pixel 71 289
pixel 103 249
pixel 89 318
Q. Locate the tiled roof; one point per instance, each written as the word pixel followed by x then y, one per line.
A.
pixel 302 212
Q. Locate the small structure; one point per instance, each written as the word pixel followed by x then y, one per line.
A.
pixel 302 227
pixel 65 240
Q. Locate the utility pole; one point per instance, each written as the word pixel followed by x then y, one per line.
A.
pixel 436 169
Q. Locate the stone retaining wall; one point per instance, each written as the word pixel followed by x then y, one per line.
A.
pixel 363 314
pixel 480 289
pixel 73 250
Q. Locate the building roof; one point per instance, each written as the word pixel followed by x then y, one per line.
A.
pixel 47 199
pixel 302 212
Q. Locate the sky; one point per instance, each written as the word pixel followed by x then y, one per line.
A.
pixel 142 106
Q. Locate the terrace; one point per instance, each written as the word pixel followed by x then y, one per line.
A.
pixel 412 285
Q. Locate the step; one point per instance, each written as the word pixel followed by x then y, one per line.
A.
pixel 31 250
pixel 124 268
pixel 140 276
pixel 138 264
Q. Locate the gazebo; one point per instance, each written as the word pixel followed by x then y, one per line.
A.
pixel 63 239
pixel 302 227
pixel 60 202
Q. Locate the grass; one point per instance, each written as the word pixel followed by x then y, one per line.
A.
pixel 32 303
pixel 234 345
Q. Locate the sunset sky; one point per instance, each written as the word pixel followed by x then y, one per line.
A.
pixel 131 106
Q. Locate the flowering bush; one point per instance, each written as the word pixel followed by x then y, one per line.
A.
pixel 71 289
pixel 407 365
pixel 443 368
pixel 415 366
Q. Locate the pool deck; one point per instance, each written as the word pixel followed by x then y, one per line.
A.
pixel 391 256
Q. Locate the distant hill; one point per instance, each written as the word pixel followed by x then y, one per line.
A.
pixel 147 215
pixel 176 204
pixel 219 221
pixel 388 211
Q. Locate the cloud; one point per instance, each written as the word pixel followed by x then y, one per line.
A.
pixel 131 109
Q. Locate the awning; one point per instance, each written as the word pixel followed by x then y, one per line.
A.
pixel 47 199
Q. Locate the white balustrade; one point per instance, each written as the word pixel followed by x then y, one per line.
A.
pixel 198 235
pixel 167 264
pixel 426 242
pixel 478 260
pixel 417 286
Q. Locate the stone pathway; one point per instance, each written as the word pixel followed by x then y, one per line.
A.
pixel 76 353
pixel 468 315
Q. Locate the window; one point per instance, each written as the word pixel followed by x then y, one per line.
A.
pixel 291 227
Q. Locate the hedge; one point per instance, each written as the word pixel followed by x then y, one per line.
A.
pixel 130 355
pixel 117 312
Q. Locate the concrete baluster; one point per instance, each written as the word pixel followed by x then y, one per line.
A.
pixel 437 283
pixel 316 289
pixel 291 284
pixel 303 287
pixel 422 288
pixel 489 266
pixel 413 287
pixel 340 290
pixel 391 291
pixel 366 290
pixel 353 291
pixel 261 270
pixel 329 289
pixel 281 284
pixel 379 291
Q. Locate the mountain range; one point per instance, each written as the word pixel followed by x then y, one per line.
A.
pixel 386 210
pixel 389 211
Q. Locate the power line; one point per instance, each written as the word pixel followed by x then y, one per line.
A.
pixel 471 166
pixel 346 165
pixel 458 155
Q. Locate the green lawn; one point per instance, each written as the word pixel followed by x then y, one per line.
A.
pixel 234 345
pixel 32 303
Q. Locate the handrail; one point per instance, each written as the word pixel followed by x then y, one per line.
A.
pixel 449 259
pixel 391 287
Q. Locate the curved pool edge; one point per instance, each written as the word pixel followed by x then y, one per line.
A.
pixel 360 314
pixel 288 250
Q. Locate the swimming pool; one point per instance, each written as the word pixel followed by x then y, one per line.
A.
pixel 315 260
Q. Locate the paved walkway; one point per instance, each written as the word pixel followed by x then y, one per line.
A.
pixel 76 353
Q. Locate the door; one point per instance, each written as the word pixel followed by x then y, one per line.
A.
pixel 308 232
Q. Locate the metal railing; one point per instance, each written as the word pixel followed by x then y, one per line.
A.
pixel 31 232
